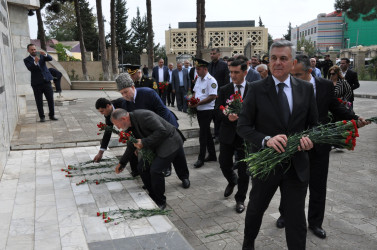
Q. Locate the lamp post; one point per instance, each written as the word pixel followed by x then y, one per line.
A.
pixel 144 51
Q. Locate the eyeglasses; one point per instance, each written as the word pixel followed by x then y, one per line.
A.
pixel 332 74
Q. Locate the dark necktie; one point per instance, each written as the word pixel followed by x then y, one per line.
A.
pixel 283 104
pixel 239 89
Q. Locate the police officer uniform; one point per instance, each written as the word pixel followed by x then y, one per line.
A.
pixel 205 87
pixel 144 81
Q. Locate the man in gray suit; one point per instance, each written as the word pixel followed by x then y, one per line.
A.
pixel 166 141
pixel 181 85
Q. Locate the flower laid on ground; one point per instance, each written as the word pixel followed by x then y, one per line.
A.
pixel 120 215
pixel 162 86
pixel 234 105
pixel 191 112
pixel 340 134
pixel 104 180
pixel 345 103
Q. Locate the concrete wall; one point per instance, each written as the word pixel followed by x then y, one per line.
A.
pixel 94 70
pixel 14 36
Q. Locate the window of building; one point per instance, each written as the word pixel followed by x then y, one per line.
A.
pixel 305 33
pixel 315 29
pixel 311 31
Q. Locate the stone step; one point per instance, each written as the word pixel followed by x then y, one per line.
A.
pixel 93 85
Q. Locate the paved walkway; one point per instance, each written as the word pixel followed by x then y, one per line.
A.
pixel 41 209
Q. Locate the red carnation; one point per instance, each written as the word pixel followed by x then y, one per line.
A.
pixel 98 214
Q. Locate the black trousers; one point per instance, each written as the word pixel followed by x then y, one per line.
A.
pixel 226 165
pixel 293 193
pixel 134 163
pixel 162 94
pixel 319 168
pixel 154 179
pixel 170 95
pixel 39 91
pixel 181 100
pixel 205 137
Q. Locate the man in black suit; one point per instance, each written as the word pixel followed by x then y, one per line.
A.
pixel 156 134
pixel 326 65
pixel 273 109
pixel 252 74
pixel 349 75
pixel 180 84
pixel 40 80
pixel 106 107
pixel 219 70
pixel 319 155
pixel 230 141
pixel 160 74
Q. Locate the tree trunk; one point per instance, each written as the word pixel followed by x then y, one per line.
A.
pixel 200 27
pixel 41 30
pixel 150 34
pixel 113 39
pixel 81 38
pixel 102 41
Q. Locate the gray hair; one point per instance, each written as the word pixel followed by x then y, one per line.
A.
pixel 264 66
pixel 118 113
pixel 305 62
pixel 284 43
pixel 179 63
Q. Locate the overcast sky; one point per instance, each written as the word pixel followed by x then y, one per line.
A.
pixel 275 14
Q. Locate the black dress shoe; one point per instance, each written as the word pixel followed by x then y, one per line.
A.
pixel 173 105
pixel 280 223
pixel 210 158
pixel 229 189
pixel 318 231
pixel 42 120
pixel 53 118
pixel 198 164
pixel 167 172
pixel 240 207
pixel 185 183
pixel 135 173
pixel 162 206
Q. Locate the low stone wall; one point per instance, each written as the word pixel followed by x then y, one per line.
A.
pixel 93 85
pixel 74 70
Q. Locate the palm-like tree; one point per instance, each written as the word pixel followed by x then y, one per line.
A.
pixel 81 39
pixel 113 38
pixel 150 34
pixel 102 41
pixel 200 27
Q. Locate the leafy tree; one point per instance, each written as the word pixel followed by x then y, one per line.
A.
pixel 260 22
pixel 114 67
pixel 81 39
pixel 356 8
pixel 140 29
pixel 123 34
pixel 160 52
pixel 308 45
pixel 61 50
pixel 289 32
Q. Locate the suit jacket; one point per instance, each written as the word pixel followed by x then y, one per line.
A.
pixel 147 98
pixel 220 72
pixel 227 132
pixel 39 73
pixel 253 76
pixel 155 74
pixel 175 80
pixel 155 133
pixel 118 103
pixel 353 81
pixel 260 117
pixel 326 101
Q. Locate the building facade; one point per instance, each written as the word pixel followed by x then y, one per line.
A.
pixel 325 31
pixel 233 34
pixel 359 32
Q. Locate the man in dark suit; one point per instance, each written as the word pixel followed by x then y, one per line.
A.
pixel 161 74
pixel 180 86
pixel 139 79
pixel 155 133
pixel 326 65
pixel 220 71
pixel 319 155
pixel 144 98
pixel 230 141
pixel 349 75
pixel 252 74
pixel 106 107
pixel 273 109
pixel 40 80
pixel 57 76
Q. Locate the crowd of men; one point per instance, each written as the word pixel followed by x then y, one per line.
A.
pixel 283 95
